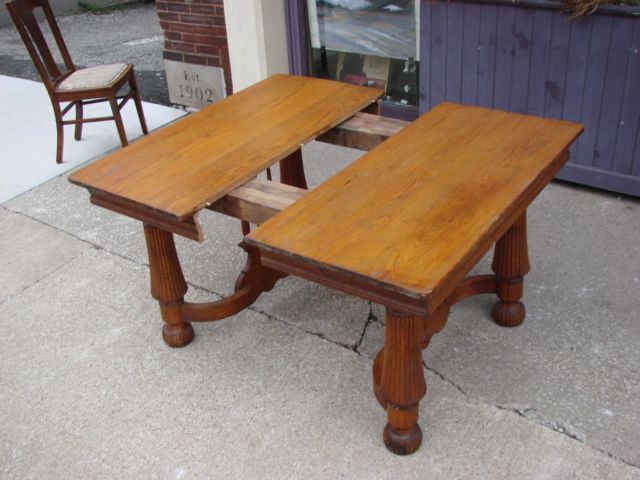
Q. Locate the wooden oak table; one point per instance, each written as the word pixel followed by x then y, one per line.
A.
pixel 402 226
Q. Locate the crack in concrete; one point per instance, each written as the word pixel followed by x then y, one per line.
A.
pixel 370 318
pixel 45 276
pixel 354 348
pixel 76 237
pixel 611 455
pixel 523 410
pixel 520 410
pixel 561 428
pixel 442 377
pixel 374 318
pixel 320 335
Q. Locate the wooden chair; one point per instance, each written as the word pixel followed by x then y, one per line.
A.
pixel 75 87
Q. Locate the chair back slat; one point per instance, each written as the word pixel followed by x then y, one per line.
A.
pixel 22 14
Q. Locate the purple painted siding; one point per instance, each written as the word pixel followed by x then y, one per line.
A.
pixel 535 61
pixel 296 18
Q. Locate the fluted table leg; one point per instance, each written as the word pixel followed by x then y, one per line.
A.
pixel 511 264
pixel 292 170
pixel 168 285
pixel 402 383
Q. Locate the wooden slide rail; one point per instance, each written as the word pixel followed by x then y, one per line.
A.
pixel 258 200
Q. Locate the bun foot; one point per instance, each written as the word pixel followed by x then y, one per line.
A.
pixel 508 314
pixel 177 335
pixel 402 442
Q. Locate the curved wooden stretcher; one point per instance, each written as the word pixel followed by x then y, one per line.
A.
pixel 402 226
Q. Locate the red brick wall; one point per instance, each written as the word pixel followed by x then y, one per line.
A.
pixel 195 32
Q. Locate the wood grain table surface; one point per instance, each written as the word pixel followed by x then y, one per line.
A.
pixel 179 169
pixel 415 214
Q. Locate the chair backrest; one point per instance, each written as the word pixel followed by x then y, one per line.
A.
pixel 22 13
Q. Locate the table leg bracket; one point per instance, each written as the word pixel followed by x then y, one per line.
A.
pixel 169 287
pixel 253 280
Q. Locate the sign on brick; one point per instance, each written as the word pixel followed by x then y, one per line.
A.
pixel 194 85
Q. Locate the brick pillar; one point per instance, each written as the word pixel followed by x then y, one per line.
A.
pixel 195 33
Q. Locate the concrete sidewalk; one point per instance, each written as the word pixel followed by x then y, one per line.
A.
pixel 28 134
pixel 89 390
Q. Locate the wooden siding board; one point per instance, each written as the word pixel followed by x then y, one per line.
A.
pixel 296 24
pixel 609 118
pixel 635 168
pixel 438 64
pixel 487 55
pixel 539 62
pixel 628 129
pixel 595 177
pixel 576 70
pixel 504 57
pixel 557 66
pixel 594 87
pixel 578 50
pixel 424 80
pixel 470 49
pixel 455 38
pixel 522 60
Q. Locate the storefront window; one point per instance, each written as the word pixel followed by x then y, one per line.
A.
pixel 367 42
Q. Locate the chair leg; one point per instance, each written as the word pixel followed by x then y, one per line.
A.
pixel 60 130
pixel 136 98
pixel 118 119
pixel 78 132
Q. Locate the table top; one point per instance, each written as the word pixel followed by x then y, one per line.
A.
pixel 414 215
pixel 179 169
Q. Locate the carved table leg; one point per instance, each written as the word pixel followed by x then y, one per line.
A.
pixel 398 377
pixel 511 264
pixel 292 170
pixel 402 382
pixel 168 285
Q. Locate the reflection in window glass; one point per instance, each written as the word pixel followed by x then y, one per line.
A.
pixel 367 42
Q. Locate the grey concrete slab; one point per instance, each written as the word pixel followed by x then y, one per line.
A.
pixel 317 309
pixel 573 364
pixel 249 398
pixel 214 264
pixel 72 213
pixel 373 338
pixel 26 112
pixel 322 161
pixel 30 251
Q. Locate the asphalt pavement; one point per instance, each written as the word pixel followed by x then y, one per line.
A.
pixel 128 35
